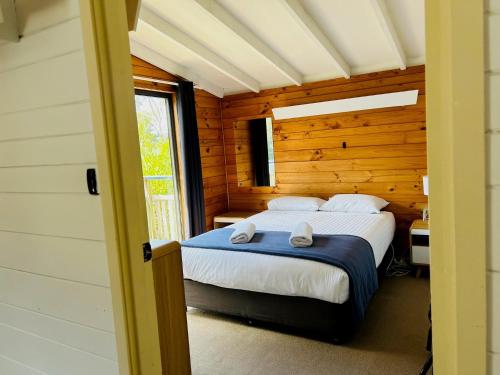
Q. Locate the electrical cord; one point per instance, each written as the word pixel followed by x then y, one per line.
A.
pixel 397 267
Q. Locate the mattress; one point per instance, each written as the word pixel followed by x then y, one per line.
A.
pixel 290 276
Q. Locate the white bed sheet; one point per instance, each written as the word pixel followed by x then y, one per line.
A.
pixel 284 275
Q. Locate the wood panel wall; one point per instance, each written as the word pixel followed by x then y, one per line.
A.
pixel 385 153
pixel 243 157
pixel 211 137
pixel 208 113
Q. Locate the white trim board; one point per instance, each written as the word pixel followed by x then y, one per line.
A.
pixel 361 103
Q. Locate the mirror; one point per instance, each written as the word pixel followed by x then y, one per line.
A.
pixel 254 152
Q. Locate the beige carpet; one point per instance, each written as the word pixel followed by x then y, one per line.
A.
pixel 391 341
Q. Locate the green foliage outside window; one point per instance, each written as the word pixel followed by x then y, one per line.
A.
pixel 155 143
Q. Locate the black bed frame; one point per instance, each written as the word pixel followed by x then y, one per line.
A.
pixel 325 320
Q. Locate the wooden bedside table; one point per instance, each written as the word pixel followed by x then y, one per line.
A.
pixel 231 217
pixel 419 245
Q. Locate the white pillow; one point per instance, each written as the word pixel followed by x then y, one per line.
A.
pixel 356 203
pixel 295 204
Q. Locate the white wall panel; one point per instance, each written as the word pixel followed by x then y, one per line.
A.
pixel 493 40
pixel 494 311
pixel 45 179
pixel 63 258
pixel 55 41
pixel 59 120
pixel 80 337
pixel 494 363
pixel 494 158
pixel 11 367
pixel 84 304
pixel 55 302
pixel 492 229
pixel 66 215
pixel 33 16
pixel 68 149
pixel 51 82
pixel 493 100
pixel 492 21
pixel 493 5
pixel 52 357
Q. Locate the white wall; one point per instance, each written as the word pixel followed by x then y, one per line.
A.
pixel 492 23
pixel 55 300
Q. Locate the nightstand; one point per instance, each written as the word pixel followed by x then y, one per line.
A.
pixel 419 245
pixel 231 217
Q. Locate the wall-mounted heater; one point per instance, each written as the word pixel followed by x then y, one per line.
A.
pixel 393 99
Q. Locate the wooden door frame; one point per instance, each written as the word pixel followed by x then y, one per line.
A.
pixel 456 163
pixel 456 151
pixel 107 53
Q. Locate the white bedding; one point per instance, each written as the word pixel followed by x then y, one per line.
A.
pixel 284 275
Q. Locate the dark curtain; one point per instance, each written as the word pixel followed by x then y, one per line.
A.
pixel 260 159
pixel 191 159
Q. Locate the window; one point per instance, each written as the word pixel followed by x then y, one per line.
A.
pixel 159 164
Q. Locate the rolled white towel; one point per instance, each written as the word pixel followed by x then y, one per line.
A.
pixel 243 232
pixel 301 235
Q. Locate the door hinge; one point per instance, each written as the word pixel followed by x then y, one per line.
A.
pixel 147 252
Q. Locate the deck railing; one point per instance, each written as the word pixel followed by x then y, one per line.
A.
pixel 161 207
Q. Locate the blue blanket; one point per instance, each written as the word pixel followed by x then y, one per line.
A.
pixel 351 253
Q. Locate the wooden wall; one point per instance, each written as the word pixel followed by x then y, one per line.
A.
pixel 385 152
pixel 208 112
pixel 243 157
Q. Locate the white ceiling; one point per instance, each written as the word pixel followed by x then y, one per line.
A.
pixel 230 46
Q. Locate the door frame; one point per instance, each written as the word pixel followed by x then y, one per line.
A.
pixel 457 199
pixel 109 70
pixel 456 152
pixel 174 149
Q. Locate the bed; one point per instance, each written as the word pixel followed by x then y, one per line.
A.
pixel 300 293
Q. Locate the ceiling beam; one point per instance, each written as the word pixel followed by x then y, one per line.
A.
pixel 147 54
pixel 221 15
pixel 309 25
pixel 202 52
pixel 8 21
pixel 384 19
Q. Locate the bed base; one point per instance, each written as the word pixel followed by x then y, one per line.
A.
pixel 307 316
pixel 325 320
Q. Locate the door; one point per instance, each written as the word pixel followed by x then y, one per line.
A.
pixel 159 164
pixel 137 327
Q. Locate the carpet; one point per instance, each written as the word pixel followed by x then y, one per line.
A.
pixel 390 341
